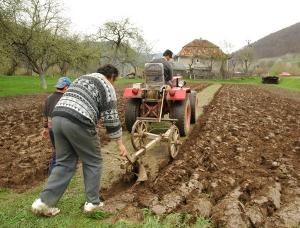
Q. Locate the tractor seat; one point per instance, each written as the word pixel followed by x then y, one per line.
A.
pixel 154 75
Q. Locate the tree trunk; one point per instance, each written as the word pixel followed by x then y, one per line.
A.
pixel 115 55
pixel 11 71
pixel 135 71
pixel 246 66
pixel 64 67
pixel 43 81
pixel 28 70
pixel 222 72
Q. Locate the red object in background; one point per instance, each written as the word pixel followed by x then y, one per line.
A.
pixel 284 74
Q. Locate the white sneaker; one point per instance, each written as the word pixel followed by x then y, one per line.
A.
pixel 40 208
pixel 89 207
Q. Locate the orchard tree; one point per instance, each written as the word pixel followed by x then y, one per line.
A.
pixel 137 54
pixel 86 55
pixel 8 60
pixel 66 56
pixel 33 29
pixel 120 35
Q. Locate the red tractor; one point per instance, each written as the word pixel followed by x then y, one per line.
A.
pixel 154 101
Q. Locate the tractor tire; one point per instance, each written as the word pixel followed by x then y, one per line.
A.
pixel 182 112
pixel 132 111
pixel 194 103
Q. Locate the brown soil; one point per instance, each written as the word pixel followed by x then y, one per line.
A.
pixel 240 166
pixel 25 156
pixel 285 93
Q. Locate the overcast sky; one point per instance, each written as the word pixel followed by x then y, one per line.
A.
pixel 173 23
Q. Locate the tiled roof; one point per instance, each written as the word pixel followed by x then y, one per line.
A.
pixel 201 48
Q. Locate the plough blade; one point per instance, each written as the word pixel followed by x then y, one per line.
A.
pixel 140 168
pixel 142 175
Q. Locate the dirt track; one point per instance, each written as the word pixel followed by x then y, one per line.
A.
pixel 240 166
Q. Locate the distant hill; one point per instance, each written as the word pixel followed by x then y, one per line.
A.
pixel 278 43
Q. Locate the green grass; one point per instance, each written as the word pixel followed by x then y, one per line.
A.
pixel 123 81
pixel 15 212
pixel 291 83
pixel 15 209
pixel 21 85
pixel 244 80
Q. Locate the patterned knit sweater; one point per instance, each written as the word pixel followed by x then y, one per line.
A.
pixel 89 98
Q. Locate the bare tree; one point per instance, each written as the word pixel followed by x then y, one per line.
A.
pixel 119 34
pixel 232 63
pixel 137 54
pixel 191 68
pixel 227 47
pixel 246 56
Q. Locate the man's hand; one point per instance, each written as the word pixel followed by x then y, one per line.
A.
pixel 122 150
pixel 45 133
pixel 121 147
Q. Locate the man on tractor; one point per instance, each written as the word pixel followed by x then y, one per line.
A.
pixel 168 69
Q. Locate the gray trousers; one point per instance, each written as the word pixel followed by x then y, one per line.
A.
pixel 73 141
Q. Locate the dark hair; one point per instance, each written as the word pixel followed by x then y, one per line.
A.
pixel 109 71
pixel 168 53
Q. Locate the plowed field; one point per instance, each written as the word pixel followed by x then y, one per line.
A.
pixel 240 166
pixel 25 156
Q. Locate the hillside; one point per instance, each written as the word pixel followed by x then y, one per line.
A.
pixel 279 43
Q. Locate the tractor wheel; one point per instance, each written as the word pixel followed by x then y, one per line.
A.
pixel 132 111
pixel 194 103
pixel 182 112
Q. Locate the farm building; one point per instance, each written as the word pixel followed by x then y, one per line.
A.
pixel 202 59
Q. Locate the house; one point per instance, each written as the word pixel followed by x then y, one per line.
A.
pixel 202 58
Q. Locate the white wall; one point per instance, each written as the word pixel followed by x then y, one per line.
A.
pixel 200 63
